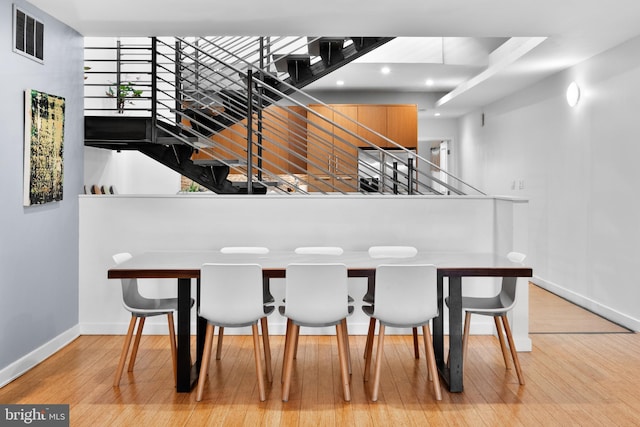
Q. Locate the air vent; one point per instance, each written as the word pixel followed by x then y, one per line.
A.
pixel 28 35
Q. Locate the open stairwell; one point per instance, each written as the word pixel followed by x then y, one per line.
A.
pixel 212 108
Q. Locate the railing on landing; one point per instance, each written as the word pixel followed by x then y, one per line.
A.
pixel 250 115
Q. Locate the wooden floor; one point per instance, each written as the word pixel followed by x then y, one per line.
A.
pixel 572 379
pixel 549 314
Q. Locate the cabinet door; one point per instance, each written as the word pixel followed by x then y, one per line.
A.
pixel 275 137
pixel 402 125
pixel 345 151
pixel 375 118
pixel 319 148
pixel 297 155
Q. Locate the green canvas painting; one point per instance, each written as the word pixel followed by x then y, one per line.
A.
pixel 43 148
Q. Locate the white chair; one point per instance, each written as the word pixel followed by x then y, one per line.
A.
pixel 406 297
pixel 389 252
pixel 316 296
pixel 496 306
pixel 231 296
pixel 267 298
pixel 141 308
pixel 329 251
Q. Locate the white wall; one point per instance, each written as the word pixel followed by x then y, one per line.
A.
pixel 111 224
pixel 131 172
pixel 579 169
pixel 38 244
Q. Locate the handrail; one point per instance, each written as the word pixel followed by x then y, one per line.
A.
pixel 194 77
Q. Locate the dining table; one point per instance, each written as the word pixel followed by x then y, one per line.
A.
pixel 452 268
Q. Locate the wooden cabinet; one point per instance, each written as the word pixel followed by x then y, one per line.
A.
pixel 322 142
pixel 284 136
pixel 402 125
pixel 373 117
pixel 332 157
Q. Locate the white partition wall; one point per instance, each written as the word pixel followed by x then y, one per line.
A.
pixel 111 224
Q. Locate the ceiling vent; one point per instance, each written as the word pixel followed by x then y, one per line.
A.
pixel 28 35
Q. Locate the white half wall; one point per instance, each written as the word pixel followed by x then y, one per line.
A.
pixel 111 224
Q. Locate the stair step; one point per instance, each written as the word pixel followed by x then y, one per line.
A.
pixel 298 66
pixel 328 48
pixel 170 140
pixel 216 162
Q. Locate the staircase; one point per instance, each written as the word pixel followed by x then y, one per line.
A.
pixel 215 107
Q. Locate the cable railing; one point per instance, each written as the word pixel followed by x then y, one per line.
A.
pixel 227 98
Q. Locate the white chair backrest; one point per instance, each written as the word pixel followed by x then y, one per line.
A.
pixel 509 284
pixel 392 251
pixel 319 250
pixel 406 295
pixel 231 294
pixel 316 294
pixel 516 257
pixel 253 250
pixel 131 298
pixel 122 257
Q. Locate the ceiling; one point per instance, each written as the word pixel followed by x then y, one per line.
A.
pixel 475 52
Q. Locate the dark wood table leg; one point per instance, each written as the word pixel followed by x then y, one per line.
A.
pixel 186 376
pixel 438 334
pixel 201 327
pixel 455 334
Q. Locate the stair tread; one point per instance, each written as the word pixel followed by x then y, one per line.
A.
pixel 216 162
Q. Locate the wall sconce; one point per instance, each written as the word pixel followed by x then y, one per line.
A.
pixel 573 94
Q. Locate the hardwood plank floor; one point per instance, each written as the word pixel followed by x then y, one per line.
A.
pixel 572 379
pixel 549 313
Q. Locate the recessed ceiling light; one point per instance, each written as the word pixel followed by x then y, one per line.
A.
pixel 436 114
pixel 429 82
pixel 340 82
pixel 385 70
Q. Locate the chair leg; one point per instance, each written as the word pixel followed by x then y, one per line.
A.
pixel 219 345
pixel 512 346
pixel 416 347
pixel 370 332
pixel 267 348
pixel 258 358
pixel 125 350
pixel 431 361
pixel 206 359
pixel 287 343
pixel 378 367
pixel 136 344
pixel 288 363
pixel 368 349
pixel 174 353
pixel 295 345
pixel 346 342
pixel 503 344
pixel 344 363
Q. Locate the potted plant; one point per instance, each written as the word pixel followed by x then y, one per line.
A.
pixel 123 94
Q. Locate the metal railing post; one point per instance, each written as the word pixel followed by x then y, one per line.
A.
pixel 249 132
pixel 154 89
pixel 259 124
pixel 395 177
pixel 178 96
pixel 119 99
pixel 410 176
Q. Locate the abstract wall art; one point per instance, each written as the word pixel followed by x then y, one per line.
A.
pixel 43 147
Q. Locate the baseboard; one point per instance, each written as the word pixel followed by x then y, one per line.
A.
pixel 589 304
pixel 38 355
